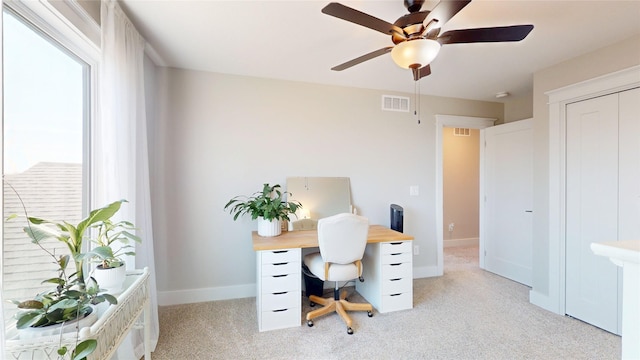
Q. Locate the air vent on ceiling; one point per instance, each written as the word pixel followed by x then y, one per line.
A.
pixel 395 103
pixel 461 132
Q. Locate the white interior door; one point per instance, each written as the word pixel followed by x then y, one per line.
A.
pixel 629 167
pixel 591 292
pixel 506 200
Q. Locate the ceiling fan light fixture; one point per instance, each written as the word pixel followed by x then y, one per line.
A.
pixel 416 52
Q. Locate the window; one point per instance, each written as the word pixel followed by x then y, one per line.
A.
pixel 46 119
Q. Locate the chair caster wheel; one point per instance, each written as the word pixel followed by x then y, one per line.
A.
pixel 349 331
pixel 369 314
pixel 309 323
pixel 312 304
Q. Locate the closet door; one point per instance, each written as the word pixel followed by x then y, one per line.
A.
pixel 629 181
pixel 592 210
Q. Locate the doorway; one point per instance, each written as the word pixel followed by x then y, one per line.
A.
pixel 442 122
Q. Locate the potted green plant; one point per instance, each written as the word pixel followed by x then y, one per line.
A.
pixel 72 299
pixel 113 241
pixel 267 206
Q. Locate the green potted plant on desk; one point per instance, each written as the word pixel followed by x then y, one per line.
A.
pixel 267 206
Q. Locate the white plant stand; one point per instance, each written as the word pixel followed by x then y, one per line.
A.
pixel 113 324
pixel 626 254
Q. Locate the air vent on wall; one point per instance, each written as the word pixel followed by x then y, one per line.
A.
pixel 461 132
pixel 395 103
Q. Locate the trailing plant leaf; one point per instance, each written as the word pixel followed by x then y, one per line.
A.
pixel 57 281
pixel 110 298
pixel 30 304
pixel 84 349
pixel 27 319
pixel 62 351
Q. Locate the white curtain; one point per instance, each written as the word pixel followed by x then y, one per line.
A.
pixel 1 169
pixel 121 166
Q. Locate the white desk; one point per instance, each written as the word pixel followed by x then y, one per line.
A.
pixel 627 255
pixel 113 324
pixel 387 269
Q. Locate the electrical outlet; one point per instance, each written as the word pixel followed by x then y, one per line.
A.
pixel 414 190
pixel 416 250
pixel 451 226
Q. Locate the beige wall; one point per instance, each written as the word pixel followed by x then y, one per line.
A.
pixel 218 136
pixel 461 177
pixel 519 108
pixel 606 60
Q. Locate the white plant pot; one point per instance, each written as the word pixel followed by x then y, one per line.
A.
pixel 269 228
pixel 111 280
pixel 69 326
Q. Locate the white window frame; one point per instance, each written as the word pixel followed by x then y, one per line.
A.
pixel 50 21
pixel 82 40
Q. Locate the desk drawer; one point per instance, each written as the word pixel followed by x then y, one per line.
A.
pixel 280 300
pixel 396 271
pixel 396 258
pixel 280 256
pixel 280 283
pixel 395 302
pixel 280 319
pixel 281 268
pixel 395 247
pixel 395 286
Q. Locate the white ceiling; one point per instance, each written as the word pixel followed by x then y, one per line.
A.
pixel 293 40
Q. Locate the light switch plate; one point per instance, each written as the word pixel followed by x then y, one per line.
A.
pixel 414 190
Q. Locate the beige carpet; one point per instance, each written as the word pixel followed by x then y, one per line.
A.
pixel 466 314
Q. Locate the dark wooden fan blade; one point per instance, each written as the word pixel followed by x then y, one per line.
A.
pixel 445 10
pixel 360 18
pixel 492 34
pixel 362 58
pixel 421 72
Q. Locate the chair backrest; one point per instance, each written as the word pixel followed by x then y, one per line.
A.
pixel 342 238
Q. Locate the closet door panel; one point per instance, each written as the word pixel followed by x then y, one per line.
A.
pixel 629 182
pixel 592 210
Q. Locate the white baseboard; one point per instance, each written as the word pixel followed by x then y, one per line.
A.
pixel 461 242
pixel 177 297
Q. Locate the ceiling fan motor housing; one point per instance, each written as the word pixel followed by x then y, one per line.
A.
pixel 411 24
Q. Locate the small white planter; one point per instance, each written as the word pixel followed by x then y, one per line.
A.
pixel 268 228
pixel 111 280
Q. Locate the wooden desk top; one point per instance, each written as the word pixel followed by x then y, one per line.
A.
pixel 309 238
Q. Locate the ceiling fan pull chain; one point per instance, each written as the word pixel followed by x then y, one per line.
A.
pixel 416 94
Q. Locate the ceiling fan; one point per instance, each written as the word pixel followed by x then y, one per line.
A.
pixel 416 35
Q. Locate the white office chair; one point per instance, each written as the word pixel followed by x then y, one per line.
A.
pixel 342 239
